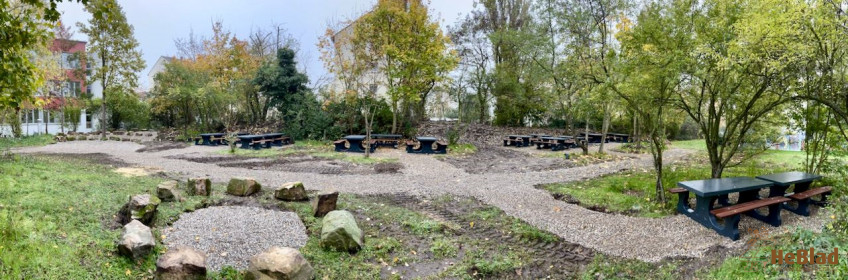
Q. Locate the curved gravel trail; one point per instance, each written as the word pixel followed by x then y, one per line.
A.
pixel 647 239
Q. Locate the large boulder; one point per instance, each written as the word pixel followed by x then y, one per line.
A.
pixel 136 240
pixel 243 186
pixel 324 203
pixel 141 207
pixel 181 263
pixel 279 264
pixel 340 232
pixel 199 186
pixel 167 191
pixel 291 191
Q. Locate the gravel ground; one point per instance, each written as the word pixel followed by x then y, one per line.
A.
pixel 230 235
pixel 647 239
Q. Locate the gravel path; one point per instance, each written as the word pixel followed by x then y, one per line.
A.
pixel 230 235
pixel 646 239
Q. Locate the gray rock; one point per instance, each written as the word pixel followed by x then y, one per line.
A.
pixel 181 263
pixel 324 203
pixel 199 186
pixel 340 232
pixel 136 240
pixel 281 264
pixel 291 191
pixel 141 207
pixel 243 186
pixel 167 191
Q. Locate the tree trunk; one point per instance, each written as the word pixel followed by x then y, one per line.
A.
pixel 658 165
pixel 62 125
pixel 585 144
pixel 394 116
pixel 604 127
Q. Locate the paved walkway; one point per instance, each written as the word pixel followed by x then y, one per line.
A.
pixel 644 238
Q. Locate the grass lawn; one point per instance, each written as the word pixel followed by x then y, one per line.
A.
pixel 35 140
pixel 634 192
pixel 57 218
pixel 319 149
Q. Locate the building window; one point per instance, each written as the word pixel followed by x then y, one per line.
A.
pixel 72 89
pixel 70 61
pixel 87 120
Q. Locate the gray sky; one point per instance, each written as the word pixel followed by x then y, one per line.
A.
pixel 157 23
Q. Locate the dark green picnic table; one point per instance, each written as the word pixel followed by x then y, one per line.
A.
pixel 708 192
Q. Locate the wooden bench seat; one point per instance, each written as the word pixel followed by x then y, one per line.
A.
pixel 677 190
pixel 810 193
pixel 737 209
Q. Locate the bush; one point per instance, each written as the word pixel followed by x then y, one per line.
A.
pixel 838 216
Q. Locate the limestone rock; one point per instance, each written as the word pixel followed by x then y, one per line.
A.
pixel 324 203
pixel 136 240
pixel 141 207
pixel 243 186
pixel 199 186
pixel 340 232
pixel 291 191
pixel 181 263
pixel 167 191
pixel 279 263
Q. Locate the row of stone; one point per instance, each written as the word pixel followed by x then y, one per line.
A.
pixel 275 263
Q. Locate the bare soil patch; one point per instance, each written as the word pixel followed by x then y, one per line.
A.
pixel 295 163
pixel 158 146
pixel 95 158
pixel 496 159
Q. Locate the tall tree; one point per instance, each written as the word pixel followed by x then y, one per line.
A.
pixel 408 49
pixel 475 52
pixel 740 71
pixel 505 22
pixel 114 49
pixel 648 76
pixel 286 89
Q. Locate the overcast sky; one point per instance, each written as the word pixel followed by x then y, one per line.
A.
pixel 157 23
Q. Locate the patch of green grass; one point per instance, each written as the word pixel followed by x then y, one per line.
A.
pixel 444 248
pixel 605 267
pixel 26 141
pixel 634 192
pixel 379 247
pixel 504 263
pixel 496 217
pixel 695 144
pixel 462 149
pixel 750 265
pixel 56 216
pixel 313 148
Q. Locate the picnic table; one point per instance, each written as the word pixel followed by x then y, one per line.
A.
pixel 708 192
pixel 263 140
pixel 555 143
pixel 536 137
pixel 425 146
pixel 801 181
pixel 619 137
pixel 517 140
pixel 211 139
pixel 593 137
pixel 391 140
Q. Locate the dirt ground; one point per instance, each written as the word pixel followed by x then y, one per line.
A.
pixel 549 259
pixel 294 163
pixel 500 159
